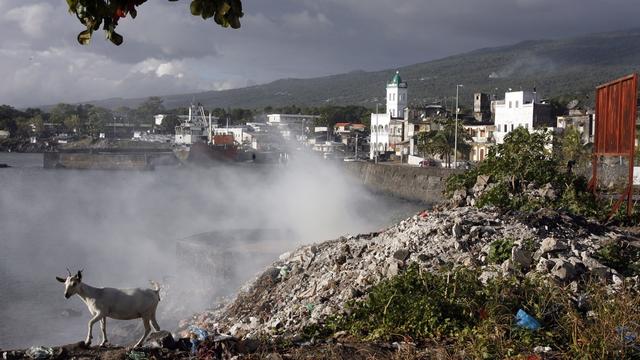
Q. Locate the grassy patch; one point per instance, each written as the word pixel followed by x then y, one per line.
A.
pixel 477 321
pixel 621 256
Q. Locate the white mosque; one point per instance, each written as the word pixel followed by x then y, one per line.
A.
pixel 381 123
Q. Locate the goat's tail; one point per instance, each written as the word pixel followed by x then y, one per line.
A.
pixel 156 288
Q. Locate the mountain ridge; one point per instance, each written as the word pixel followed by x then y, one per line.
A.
pixel 570 67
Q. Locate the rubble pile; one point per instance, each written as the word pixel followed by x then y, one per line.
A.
pixel 313 282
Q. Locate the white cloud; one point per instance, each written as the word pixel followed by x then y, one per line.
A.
pixel 32 19
pixel 168 51
pixel 306 20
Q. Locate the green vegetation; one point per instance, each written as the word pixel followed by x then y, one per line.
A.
pixel 88 119
pixel 499 251
pixel 107 13
pixel 441 141
pixel 519 169
pixel 472 320
pixel 621 256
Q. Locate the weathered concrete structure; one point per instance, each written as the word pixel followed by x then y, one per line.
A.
pixel 405 182
pixel 97 161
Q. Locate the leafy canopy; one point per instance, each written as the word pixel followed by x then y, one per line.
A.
pixel 107 13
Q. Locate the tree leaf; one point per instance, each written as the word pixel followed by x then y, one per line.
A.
pixel 84 38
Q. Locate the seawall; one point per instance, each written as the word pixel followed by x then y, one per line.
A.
pixel 406 182
pixel 96 161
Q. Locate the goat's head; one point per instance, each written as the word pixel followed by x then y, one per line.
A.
pixel 71 283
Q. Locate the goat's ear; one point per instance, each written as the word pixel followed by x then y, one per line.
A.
pixel 60 279
pixel 79 275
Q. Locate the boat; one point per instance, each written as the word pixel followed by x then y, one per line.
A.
pixel 195 143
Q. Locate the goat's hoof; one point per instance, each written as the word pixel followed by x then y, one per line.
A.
pixel 104 344
pixel 87 343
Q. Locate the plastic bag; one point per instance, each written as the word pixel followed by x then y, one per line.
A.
pixel 527 321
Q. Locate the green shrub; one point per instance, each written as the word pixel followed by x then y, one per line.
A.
pixel 416 304
pixel 521 161
pixel 621 256
pixel 499 251
pixel 473 320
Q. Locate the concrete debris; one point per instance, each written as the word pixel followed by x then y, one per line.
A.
pixel 313 282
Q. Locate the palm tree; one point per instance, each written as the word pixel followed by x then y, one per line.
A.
pixel 442 141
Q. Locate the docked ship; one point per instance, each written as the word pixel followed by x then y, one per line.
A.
pixel 195 143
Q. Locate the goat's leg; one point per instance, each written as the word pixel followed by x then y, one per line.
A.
pixel 154 322
pixel 147 329
pixel 103 327
pixel 93 320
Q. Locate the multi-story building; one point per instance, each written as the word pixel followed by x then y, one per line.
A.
pixel 384 127
pixel 521 109
pixel 581 120
pixel 481 139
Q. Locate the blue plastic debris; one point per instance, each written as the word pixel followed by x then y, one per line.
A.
pixel 629 336
pixel 197 335
pixel 527 321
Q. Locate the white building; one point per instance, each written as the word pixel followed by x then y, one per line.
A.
pixel 381 138
pixel 520 109
pixel 257 126
pixel 396 97
pixel 278 119
pixel 236 131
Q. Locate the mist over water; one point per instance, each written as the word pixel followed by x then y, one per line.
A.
pixel 122 228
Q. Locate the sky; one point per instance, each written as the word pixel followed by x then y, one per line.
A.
pixel 168 51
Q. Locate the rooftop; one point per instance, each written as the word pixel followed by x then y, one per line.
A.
pixel 397 80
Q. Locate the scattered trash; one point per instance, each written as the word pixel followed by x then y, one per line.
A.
pixel 162 339
pixel 137 355
pixel 541 349
pixel 196 335
pixel 39 352
pixel 527 321
pixel 629 336
pixel 284 270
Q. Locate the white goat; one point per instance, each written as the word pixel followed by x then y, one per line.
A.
pixel 119 304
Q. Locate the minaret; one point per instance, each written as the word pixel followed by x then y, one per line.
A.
pixel 396 96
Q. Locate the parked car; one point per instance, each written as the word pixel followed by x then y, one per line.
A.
pixel 428 163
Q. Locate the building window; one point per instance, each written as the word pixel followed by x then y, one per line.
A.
pixel 505 127
pixel 526 126
pixel 511 127
pixel 509 104
pixel 516 103
pixel 481 154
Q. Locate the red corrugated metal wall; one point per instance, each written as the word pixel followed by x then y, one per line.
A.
pixel 616 106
